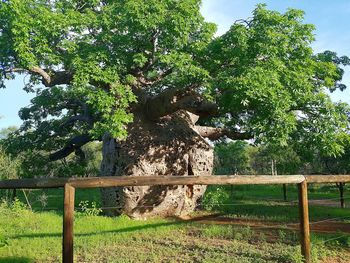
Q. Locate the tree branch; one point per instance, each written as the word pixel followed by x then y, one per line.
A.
pixel 46 78
pixel 217 133
pixel 53 78
pixel 49 79
pixel 145 81
pixel 74 144
pixel 172 100
pixel 70 121
pixel 86 116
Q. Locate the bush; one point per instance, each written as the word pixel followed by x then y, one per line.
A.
pixel 87 210
pixel 14 208
pixel 3 241
pixel 9 167
pixel 214 197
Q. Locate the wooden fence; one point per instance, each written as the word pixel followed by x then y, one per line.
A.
pixel 70 184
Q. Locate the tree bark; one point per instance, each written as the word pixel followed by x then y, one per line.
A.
pixel 285 192
pixel 169 146
pixel 341 194
pixel 173 100
pixel 216 133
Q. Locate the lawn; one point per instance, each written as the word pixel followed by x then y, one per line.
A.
pixel 27 236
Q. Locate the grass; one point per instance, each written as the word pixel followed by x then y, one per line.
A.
pixel 37 236
pixel 27 236
pixel 52 199
pixel 266 202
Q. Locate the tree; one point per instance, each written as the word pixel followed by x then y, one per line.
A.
pixel 232 158
pixel 84 164
pixel 150 80
pixel 274 159
pixel 338 165
pixel 9 166
pixel 5 132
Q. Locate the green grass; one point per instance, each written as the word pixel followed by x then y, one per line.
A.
pixel 37 237
pixel 266 202
pixel 54 198
pixel 27 236
pixel 275 192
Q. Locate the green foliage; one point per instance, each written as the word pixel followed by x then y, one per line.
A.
pixel 3 241
pixel 9 167
pixel 17 206
pixel 78 38
pixel 215 197
pixel 14 207
pixel 105 59
pixel 319 250
pixel 5 132
pixel 273 86
pixel 232 158
pixel 89 210
pixel 335 165
pixel 239 157
pixel 285 159
pixel 30 163
pixel 242 158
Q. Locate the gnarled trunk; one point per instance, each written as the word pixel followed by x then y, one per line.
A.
pixel 169 146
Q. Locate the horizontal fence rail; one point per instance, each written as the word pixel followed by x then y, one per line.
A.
pixel 110 181
pixel 327 178
pixel 70 184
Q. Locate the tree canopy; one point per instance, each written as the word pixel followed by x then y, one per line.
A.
pixel 93 63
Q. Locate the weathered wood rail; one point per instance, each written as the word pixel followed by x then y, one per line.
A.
pixel 70 184
pixel 112 181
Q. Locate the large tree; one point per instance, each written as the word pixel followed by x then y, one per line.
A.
pixel 150 80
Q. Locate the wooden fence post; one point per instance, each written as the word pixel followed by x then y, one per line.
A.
pixel 285 192
pixel 68 217
pixel 341 192
pixel 304 222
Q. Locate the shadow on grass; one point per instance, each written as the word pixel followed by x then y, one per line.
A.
pixel 274 213
pixel 284 212
pixel 176 221
pixel 15 260
pixel 116 231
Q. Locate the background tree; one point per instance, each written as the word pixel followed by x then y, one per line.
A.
pixel 30 162
pixel 9 169
pixel 274 160
pixel 5 132
pixel 150 80
pixel 232 158
pixel 337 165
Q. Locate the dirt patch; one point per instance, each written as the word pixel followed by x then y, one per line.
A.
pixel 330 227
pixel 345 258
pixel 324 226
pixel 331 203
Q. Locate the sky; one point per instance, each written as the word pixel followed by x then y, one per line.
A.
pixel 331 18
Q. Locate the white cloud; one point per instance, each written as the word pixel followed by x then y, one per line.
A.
pixel 225 12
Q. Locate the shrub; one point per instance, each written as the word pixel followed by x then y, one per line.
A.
pixel 214 197
pixel 87 210
pixel 3 241
pixel 9 167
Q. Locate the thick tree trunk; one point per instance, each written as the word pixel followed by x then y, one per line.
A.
pixel 170 146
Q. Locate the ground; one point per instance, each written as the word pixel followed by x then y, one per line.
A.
pixel 249 224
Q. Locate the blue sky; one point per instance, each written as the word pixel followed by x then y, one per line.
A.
pixel 332 33
pixel 331 18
